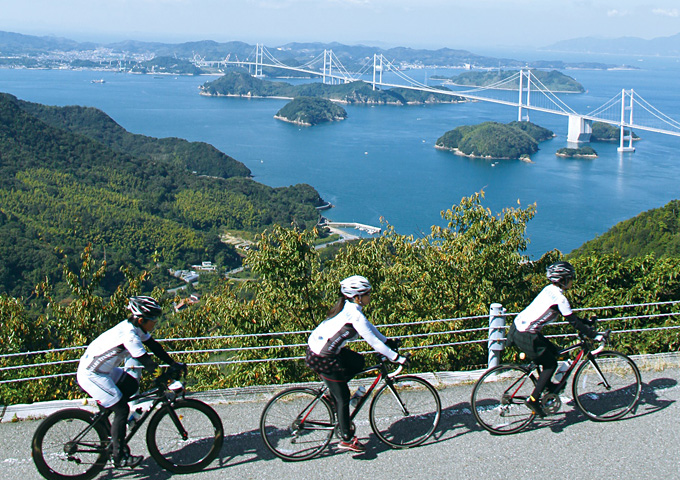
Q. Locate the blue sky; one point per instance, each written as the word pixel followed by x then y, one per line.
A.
pixel 413 23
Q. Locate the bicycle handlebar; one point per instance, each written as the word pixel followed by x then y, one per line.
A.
pixel 603 342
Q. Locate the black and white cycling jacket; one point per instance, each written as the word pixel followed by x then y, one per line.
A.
pixel 333 333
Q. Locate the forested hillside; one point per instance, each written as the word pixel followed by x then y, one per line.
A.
pixel 134 198
pixel 655 231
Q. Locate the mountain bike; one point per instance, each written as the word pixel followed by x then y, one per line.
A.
pixel 184 435
pixel 298 423
pixel 606 386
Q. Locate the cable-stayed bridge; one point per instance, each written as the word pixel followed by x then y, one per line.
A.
pixel 626 110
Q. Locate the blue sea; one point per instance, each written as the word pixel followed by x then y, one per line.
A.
pixel 380 164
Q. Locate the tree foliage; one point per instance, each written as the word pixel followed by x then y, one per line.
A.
pixel 454 273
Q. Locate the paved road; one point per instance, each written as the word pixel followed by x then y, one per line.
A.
pixel 644 445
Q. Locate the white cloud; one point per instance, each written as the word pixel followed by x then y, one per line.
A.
pixel 617 13
pixel 666 12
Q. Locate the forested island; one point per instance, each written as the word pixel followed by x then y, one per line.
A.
pixel 72 177
pixel 581 152
pixel 308 111
pixel 492 140
pixel 605 132
pixel 553 80
pixel 242 84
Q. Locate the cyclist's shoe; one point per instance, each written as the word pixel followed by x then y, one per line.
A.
pixel 128 461
pixel 535 406
pixel 353 445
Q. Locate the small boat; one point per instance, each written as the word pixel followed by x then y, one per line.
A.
pixel 98 80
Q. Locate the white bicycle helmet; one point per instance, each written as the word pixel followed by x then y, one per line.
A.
pixel 144 307
pixel 354 286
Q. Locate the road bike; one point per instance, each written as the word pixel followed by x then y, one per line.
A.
pixel 298 423
pixel 184 435
pixel 606 386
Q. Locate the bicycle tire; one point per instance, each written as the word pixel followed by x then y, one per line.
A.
pixel 498 399
pixel 50 442
pixel 604 404
pixel 175 452
pixel 409 420
pixel 291 437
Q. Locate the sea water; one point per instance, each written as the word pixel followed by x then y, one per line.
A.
pixel 380 163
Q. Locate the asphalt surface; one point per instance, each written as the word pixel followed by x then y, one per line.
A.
pixel 643 445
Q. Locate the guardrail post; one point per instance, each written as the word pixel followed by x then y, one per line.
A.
pixel 496 334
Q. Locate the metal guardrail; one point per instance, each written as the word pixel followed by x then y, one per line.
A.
pixel 494 337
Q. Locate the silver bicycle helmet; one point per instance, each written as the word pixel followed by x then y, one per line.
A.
pixel 354 286
pixel 560 272
pixel 144 307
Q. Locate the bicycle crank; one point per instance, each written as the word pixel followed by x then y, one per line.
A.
pixel 551 403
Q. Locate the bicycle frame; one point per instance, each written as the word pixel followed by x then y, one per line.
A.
pixel 382 375
pixel 159 397
pixel 585 352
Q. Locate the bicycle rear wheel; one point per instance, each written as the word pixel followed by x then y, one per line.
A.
pixel 498 399
pixel 297 424
pixel 407 414
pixel 607 387
pixel 186 436
pixel 58 457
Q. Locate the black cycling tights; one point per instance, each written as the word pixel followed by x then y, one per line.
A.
pixel 548 362
pixel 127 386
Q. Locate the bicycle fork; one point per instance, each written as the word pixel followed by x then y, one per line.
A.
pixel 604 382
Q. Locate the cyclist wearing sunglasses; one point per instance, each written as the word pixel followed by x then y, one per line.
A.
pixel 100 375
pixel 336 364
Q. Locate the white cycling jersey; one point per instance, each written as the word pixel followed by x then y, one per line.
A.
pixel 545 308
pixel 113 347
pixel 333 333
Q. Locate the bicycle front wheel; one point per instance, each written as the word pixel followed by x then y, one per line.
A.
pixel 297 424
pixel 61 452
pixel 498 399
pixel 607 387
pixel 185 437
pixel 405 413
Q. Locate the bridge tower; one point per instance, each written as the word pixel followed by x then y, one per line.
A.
pixel 626 108
pixel 259 60
pixel 377 67
pixel 524 87
pixel 327 65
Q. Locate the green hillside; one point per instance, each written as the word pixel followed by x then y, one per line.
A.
pixel 61 190
pixel 655 231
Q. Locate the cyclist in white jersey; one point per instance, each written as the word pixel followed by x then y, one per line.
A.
pixel 336 364
pixel 100 375
pixel 525 332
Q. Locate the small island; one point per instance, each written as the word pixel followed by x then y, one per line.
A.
pixel 555 81
pixel 495 141
pixel 581 152
pixel 604 132
pixel 308 111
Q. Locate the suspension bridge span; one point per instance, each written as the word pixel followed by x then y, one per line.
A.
pixel 626 110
